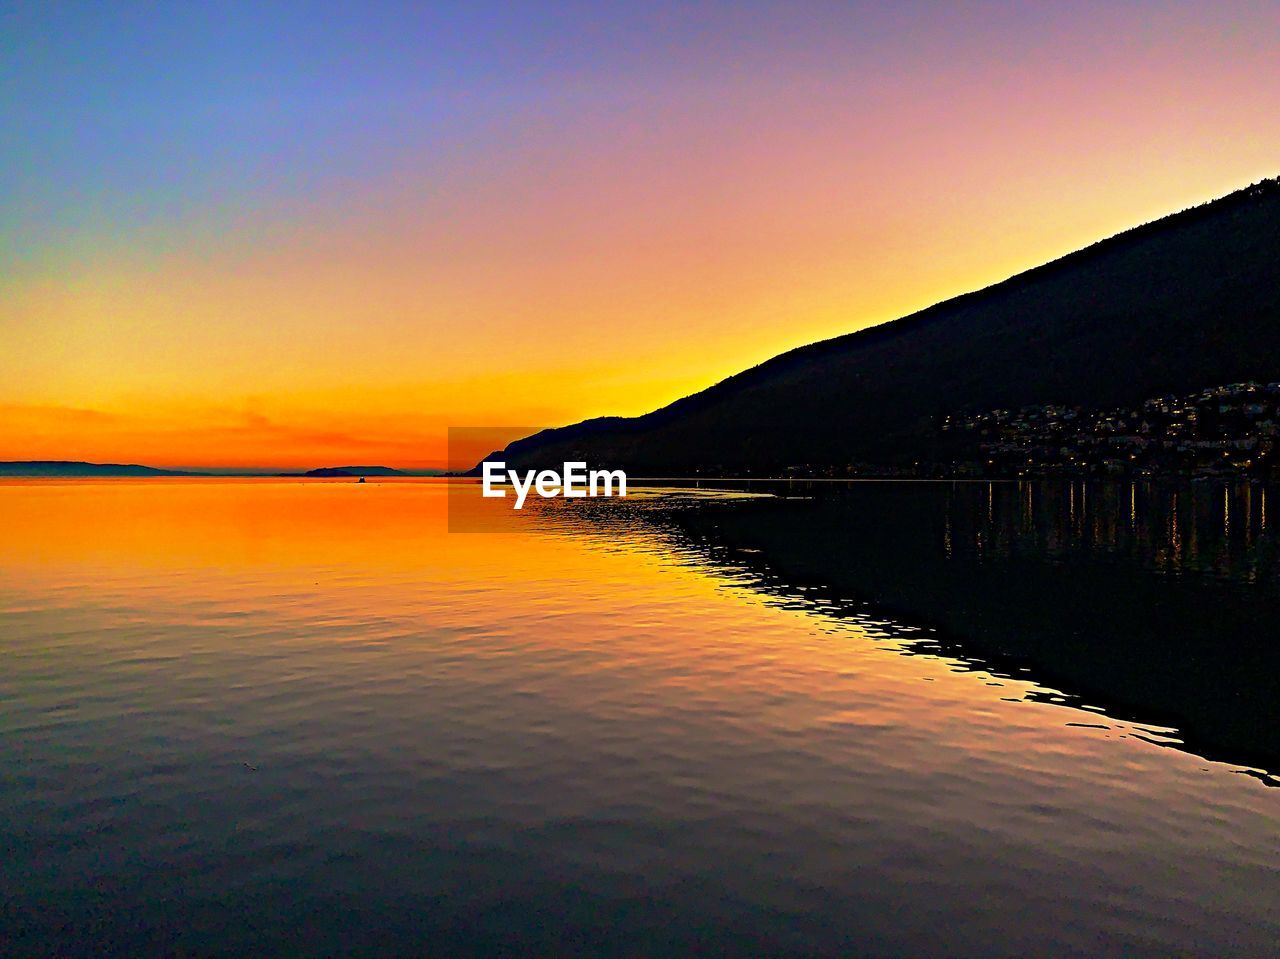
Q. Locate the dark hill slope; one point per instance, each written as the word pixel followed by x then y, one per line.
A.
pixel 1187 301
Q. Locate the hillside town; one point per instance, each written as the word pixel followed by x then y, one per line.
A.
pixel 1229 430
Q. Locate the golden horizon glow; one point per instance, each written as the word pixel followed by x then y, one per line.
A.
pixel 607 249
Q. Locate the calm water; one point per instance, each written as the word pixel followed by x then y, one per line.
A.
pixel 254 718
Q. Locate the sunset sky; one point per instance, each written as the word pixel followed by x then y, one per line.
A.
pixel 313 234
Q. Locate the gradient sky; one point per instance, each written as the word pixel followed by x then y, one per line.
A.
pixel 310 233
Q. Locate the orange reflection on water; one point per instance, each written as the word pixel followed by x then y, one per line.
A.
pixel 603 664
pixel 621 600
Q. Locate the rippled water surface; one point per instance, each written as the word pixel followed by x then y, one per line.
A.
pixel 296 718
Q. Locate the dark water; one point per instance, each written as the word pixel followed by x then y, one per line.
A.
pixel 304 719
pixel 1158 601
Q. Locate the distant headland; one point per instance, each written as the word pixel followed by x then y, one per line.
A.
pixel 353 471
pixel 77 468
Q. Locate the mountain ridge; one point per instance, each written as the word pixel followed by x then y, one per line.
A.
pixel 352 471
pixel 1149 310
pixel 82 468
pixel 73 468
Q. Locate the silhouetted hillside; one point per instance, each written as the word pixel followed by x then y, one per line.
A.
pixel 75 468
pixel 335 471
pixel 1169 307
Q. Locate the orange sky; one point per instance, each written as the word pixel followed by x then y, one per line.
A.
pixel 602 240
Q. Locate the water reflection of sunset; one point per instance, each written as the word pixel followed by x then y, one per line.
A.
pixel 338 552
pixel 585 687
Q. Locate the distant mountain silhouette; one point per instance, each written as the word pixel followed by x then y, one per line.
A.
pixel 75 468
pixel 1189 300
pixel 351 471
